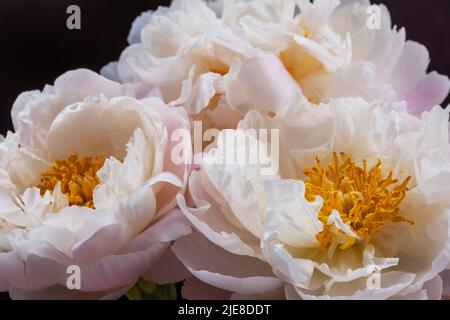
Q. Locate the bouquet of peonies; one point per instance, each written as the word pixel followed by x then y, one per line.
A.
pixel 241 149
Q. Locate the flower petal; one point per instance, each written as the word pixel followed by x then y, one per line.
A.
pixel 223 270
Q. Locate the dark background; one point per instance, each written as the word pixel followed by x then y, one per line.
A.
pixel 36 47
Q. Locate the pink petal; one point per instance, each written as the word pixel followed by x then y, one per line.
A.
pixel 168 270
pixel 117 271
pixel 37 273
pixel 430 91
pixel 411 67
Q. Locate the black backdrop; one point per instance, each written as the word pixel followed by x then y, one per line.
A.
pixel 36 47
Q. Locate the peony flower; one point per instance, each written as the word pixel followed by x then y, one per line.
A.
pixel 359 207
pixel 331 51
pixel 308 49
pixel 189 64
pixel 222 59
pixel 87 183
pixel 202 65
pixel 384 64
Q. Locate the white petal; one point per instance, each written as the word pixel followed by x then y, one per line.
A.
pixel 410 69
pixel 285 266
pixel 168 270
pixel 392 283
pixel 169 228
pixel 138 24
pixel 297 218
pixel 119 270
pixel 221 269
pixel 217 229
pixel 114 227
pixel 197 93
pixel 36 273
pixel 263 84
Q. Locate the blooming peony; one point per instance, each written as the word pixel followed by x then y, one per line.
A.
pixel 222 59
pixel 330 50
pixel 359 207
pixel 189 64
pixel 325 177
pixel 87 181
pixel 204 64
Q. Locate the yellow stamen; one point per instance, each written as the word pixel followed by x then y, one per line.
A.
pixel 365 199
pixel 77 177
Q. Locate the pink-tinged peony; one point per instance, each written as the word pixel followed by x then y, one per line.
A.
pixel 384 61
pixel 333 49
pixel 87 180
pixel 207 66
pixel 359 207
pixel 221 59
pixel 187 52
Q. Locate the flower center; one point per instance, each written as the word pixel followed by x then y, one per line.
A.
pixel 77 177
pixel 365 199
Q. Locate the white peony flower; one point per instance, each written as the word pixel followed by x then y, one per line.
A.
pixel 221 59
pixel 298 34
pixel 359 208
pixel 384 64
pixel 328 48
pixel 87 181
pixel 187 52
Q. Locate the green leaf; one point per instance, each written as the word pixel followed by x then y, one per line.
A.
pixel 145 290
pixel 146 286
pixel 134 294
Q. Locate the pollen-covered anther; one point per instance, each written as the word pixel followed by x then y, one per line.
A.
pixel 366 199
pixel 77 177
